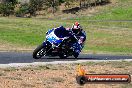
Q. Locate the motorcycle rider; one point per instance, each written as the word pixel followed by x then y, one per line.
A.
pixel 81 36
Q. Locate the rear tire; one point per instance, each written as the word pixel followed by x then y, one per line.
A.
pixel 75 55
pixel 38 52
pixel 62 56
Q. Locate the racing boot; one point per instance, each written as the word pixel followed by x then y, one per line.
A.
pixel 76 53
pixel 76 49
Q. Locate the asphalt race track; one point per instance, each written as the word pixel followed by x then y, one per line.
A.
pixel 17 59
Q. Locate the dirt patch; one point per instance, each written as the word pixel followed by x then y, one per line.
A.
pixel 60 76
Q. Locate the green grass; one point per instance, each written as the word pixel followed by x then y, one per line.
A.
pixel 102 36
pixel 24 31
pixel 120 11
pixel 31 32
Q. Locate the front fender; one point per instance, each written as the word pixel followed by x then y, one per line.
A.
pixel 46 43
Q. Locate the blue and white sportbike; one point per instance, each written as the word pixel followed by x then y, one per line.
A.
pixel 58 43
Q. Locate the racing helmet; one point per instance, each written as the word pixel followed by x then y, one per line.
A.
pixel 76 28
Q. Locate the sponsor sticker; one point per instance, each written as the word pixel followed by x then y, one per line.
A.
pixel 83 78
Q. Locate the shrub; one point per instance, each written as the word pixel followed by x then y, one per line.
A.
pixel 61 1
pixel 23 10
pixel 30 8
pixel 35 5
pixel 52 4
pixel 7 9
pixel 14 2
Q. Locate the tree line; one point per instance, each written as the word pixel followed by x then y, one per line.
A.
pixel 19 9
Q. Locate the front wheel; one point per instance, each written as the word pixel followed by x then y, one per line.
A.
pixel 39 52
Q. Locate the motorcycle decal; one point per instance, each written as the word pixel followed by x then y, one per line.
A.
pixel 53 39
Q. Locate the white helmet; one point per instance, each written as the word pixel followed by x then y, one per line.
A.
pixel 76 28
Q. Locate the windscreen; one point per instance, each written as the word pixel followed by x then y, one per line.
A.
pixel 60 32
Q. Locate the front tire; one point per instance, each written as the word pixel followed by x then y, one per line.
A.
pixel 38 52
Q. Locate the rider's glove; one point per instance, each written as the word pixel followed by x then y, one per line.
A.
pixel 80 41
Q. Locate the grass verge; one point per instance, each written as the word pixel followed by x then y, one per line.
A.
pixel 102 36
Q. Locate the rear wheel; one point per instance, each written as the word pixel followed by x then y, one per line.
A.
pixel 39 52
pixel 64 48
pixel 62 56
pixel 75 54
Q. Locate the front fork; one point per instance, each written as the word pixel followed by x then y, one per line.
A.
pixel 47 46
